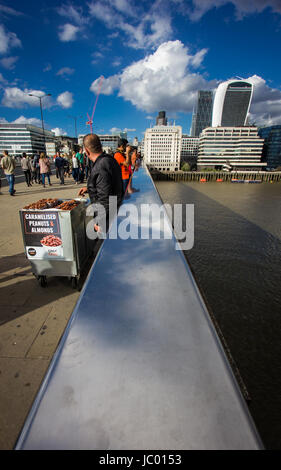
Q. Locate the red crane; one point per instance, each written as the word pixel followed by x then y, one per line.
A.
pixel 90 121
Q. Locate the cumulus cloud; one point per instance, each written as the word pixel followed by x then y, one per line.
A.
pixel 24 120
pixel 68 32
pixel 198 8
pixel 162 80
pixel 266 105
pixel 65 100
pixel 8 40
pixel 58 131
pixel 14 97
pixel 9 62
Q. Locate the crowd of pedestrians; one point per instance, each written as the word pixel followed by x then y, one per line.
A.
pixel 79 165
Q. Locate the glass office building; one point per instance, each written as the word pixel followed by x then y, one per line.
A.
pixel 19 138
pixel 232 103
pixel 202 115
pixel 272 145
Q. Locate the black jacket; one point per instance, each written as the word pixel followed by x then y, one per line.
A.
pixel 105 180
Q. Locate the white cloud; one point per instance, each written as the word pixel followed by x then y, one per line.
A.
pixel 3 120
pixel 129 130
pixel 9 62
pixel 65 100
pixel 68 32
pixel 266 105
pixel 162 80
pixel 115 130
pixel 65 71
pixel 16 98
pixel 9 11
pixel 108 85
pixel 73 13
pixel 198 8
pixel 24 120
pixel 143 29
pixel 58 131
pixel 8 40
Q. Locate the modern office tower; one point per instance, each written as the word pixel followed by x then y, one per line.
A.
pixel 232 103
pixel 161 119
pixel 19 138
pixel 240 147
pixel 202 114
pixel 272 145
pixel 189 148
pixel 162 147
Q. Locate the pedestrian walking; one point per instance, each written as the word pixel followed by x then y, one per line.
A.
pixel 33 170
pixel 45 169
pixel 59 163
pixel 9 165
pixel 26 168
pixel 75 168
pixel 37 168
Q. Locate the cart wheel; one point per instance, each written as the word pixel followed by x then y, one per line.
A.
pixel 43 281
pixel 74 282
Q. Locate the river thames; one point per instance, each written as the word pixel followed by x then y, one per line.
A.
pixel 236 260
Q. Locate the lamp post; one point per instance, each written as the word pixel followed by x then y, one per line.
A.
pixel 75 123
pixel 40 99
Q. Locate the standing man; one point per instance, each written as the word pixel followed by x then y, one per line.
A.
pixel 9 165
pixel 26 168
pixel 80 158
pixel 59 164
pixel 122 156
pixel 104 179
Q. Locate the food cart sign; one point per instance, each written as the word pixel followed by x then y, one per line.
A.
pixel 42 235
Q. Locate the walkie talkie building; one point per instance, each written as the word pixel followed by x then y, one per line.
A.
pixel 232 103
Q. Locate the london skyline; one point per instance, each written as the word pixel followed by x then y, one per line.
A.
pixel 154 56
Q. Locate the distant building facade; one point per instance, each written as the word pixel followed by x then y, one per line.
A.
pixel 272 145
pixel 162 147
pixel 19 138
pixel 237 147
pixel 202 114
pixel 189 149
pixel 232 103
pixel 161 119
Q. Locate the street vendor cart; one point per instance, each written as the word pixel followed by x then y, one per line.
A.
pixel 55 240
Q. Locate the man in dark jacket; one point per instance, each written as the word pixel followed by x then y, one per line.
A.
pixel 59 164
pixel 104 180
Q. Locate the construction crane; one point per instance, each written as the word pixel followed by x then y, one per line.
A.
pixel 90 119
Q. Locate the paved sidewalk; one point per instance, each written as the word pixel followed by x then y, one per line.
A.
pixel 32 319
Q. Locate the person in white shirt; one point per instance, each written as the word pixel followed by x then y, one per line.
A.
pixel 75 167
pixel 26 168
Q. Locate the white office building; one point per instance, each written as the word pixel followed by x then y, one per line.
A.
pixel 189 148
pixel 19 138
pixel 237 147
pixel 162 147
pixel 232 103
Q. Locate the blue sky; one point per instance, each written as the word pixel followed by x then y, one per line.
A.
pixel 154 55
